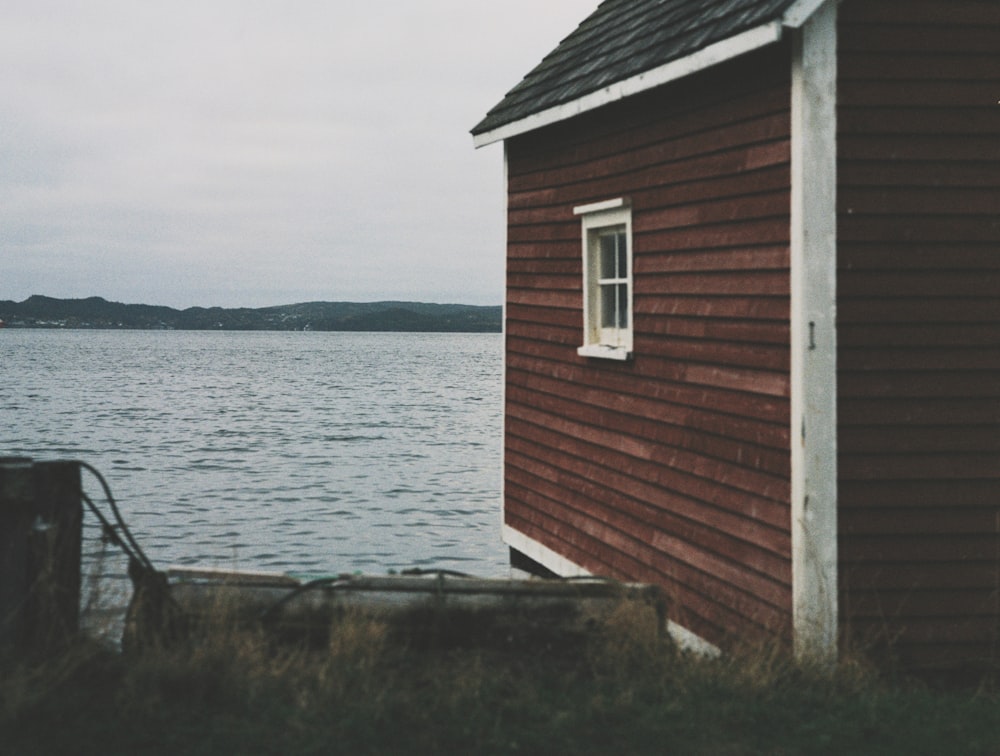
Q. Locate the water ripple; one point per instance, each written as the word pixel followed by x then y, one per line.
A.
pixel 318 453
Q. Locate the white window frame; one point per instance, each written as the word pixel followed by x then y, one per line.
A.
pixel 598 219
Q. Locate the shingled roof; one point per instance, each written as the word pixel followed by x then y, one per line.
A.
pixel 624 39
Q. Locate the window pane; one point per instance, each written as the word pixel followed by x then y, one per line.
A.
pixel 614 306
pixel 622 297
pixel 609 307
pixel 609 255
pixel 622 257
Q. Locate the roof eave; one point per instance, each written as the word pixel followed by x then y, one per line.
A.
pixel 752 39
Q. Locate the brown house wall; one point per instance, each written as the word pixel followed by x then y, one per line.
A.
pixel 672 468
pixel 919 326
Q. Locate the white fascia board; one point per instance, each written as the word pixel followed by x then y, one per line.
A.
pixel 801 11
pixel 814 337
pixel 747 41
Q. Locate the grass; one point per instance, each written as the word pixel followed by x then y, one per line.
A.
pixel 624 690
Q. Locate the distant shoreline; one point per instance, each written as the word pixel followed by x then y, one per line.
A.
pixel 96 313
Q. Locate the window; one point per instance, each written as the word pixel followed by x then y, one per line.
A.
pixel 607 279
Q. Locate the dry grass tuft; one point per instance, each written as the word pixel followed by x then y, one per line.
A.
pixel 228 687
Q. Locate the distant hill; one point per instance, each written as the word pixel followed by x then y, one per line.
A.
pixel 95 312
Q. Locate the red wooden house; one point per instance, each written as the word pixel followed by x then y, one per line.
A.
pixel 753 317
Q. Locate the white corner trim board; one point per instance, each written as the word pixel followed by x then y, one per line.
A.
pixel 719 52
pixel 814 337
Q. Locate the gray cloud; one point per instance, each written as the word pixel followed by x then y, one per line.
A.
pixel 251 153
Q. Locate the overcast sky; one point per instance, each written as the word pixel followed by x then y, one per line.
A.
pixel 258 152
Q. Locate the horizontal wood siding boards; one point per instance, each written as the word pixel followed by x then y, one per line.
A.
pixel 866 495
pixel 701 406
pixel 650 560
pixel 712 620
pixel 919 335
pixel 661 445
pixel 618 525
pixel 672 467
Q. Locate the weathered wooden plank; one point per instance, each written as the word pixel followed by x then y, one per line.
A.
pixel 636 478
pixel 540 251
pixel 928 13
pixel 903 93
pixel 572 300
pixel 767 548
pixel 888 171
pixel 888 67
pixel 653 461
pixel 942 518
pixel 744 259
pixel 974 120
pixel 928 547
pixel 728 210
pixel 914 385
pixel 562 266
pixel 544 233
pixel 670 191
pixel 913 576
pixel 522 314
pixel 922 603
pixel 653 119
pixel 581 182
pixel 955 466
pixel 918 147
pixel 761 232
pixel 756 355
pixel 725 413
pixel 730 173
pixel 925 283
pixel 730 330
pixel 677 392
pixel 939 38
pixel 943 256
pixel 706 612
pixel 916 308
pixel 930 357
pixel 751 594
pixel 542 281
pixel 930 335
pixel 771 308
pixel 625 420
pixel 878 494
pixel 909 201
pixel 948 411
pixel 916 440
pixel 912 632
pixel 633 535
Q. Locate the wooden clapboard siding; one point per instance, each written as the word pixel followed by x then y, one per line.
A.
pixel 919 325
pixel 674 467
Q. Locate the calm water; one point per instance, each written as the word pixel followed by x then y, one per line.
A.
pixel 313 453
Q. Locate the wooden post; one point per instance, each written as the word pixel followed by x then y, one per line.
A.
pixel 16 498
pixel 40 536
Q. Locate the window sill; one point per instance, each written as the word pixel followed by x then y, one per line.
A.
pixel 603 352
